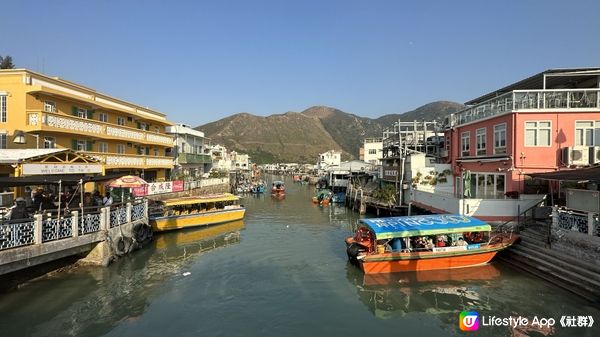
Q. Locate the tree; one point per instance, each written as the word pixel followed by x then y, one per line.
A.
pixel 6 62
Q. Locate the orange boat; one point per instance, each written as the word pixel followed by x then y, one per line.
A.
pixel 278 189
pixel 425 242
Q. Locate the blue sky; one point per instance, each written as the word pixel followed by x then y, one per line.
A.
pixel 198 61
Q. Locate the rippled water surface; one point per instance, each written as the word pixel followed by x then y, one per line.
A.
pixel 281 272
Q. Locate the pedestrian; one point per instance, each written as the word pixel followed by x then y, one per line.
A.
pixel 107 200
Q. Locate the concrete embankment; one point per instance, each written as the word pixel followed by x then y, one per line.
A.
pixel 570 261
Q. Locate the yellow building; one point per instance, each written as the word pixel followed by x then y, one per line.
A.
pixel 48 112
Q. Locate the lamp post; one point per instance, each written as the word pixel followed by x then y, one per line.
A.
pixel 20 138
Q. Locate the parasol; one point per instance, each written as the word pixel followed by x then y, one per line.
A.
pixel 127 182
pixel 466 183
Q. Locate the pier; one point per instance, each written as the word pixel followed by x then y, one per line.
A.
pixel 99 235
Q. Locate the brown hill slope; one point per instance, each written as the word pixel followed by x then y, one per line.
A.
pixel 301 137
pixel 290 137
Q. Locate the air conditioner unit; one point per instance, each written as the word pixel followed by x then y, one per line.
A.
pixel 576 155
pixel 594 155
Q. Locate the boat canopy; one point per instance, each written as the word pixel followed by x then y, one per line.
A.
pixel 423 225
pixel 200 200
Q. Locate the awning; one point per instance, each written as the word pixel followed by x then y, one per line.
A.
pixel 584 174
pixel 423 225
pixel 66 179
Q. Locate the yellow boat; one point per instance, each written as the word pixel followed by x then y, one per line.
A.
pixel 195 211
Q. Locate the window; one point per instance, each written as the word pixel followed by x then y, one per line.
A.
pixel 142 126
pixel 82 113
pixel 102 147
pixel 500 138
pixel 121 120
pixel 538 133
pixel 156 153
pixel 372 151
pixel 120 148
pixel 584 133
pixel 487 186
pixel 464 143
pixel 480 138
pixel 157 129
pixel 2 108
pixel 49 106
pixel 103 117
pixel 49 142
pixel 81 145
pixel 3 138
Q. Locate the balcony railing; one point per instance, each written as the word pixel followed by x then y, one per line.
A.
pixel 38 120
pixel 190 158
pixel 526 100
pixel 123 160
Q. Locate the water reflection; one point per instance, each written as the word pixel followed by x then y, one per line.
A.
pixel 436 292
pixel 92 300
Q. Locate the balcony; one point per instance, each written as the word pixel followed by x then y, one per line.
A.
pixel 47 121
pixel 190 158
pixel 113 160
pixel 564 100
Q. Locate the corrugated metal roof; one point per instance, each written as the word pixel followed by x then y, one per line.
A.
pixel 13 156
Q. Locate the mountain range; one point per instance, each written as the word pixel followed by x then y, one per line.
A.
pixel 302 136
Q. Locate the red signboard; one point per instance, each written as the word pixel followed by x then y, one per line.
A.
pixel 177 186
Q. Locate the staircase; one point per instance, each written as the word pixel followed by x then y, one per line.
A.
pixel 533 255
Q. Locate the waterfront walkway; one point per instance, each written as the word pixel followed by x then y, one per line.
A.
pixel 48 237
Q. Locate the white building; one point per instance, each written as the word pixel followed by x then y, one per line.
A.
pixel 328 159
pixel 220 158
pixel 372 150
pixel 189 150
pixel 240 161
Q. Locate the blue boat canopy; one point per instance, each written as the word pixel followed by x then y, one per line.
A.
pixel 423 225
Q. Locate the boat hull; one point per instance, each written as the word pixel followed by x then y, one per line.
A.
pixel 393 265
pixel 167 223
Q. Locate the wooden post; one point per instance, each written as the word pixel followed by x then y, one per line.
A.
pixel 37 231
pixel 75 224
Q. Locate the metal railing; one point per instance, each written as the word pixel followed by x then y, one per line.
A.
pixel 523 100
pixel 50 227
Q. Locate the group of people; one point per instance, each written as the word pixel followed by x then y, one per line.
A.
pixel 429 242
pixel 42 201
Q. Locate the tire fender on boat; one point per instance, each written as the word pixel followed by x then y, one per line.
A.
pixel 353 250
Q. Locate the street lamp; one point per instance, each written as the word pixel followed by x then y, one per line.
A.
pixel 20 138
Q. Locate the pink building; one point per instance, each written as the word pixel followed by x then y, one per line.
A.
pixel 547 122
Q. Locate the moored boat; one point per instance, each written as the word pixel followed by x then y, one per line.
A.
pixel 425 242
pixel 195 211
pixel 278 189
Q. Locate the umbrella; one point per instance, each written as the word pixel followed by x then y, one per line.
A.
pixel 466 176
pixel 127 182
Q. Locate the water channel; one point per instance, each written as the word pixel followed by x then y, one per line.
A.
pixel 281 272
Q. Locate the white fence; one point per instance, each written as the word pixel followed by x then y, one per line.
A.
pixel 43 228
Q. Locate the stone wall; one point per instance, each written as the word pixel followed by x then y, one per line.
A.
pixel 583 247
